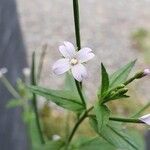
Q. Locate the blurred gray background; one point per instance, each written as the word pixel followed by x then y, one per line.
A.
pixel 106 27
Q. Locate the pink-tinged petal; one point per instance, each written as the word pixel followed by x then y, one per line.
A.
pixel 146 72
pixel 79 72
pixel 63 51
pixel 61 66
pixel 145 119
pixel 67 50
pixel 85 54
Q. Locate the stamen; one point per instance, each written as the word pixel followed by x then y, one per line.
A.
pixel 73 61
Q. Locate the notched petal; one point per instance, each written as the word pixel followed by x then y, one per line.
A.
pixel 85 54
pixel 63 51
pixel 67 49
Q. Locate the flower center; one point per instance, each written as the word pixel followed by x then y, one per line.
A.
pixel 73 61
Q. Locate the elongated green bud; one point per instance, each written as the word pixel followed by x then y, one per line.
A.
pixel 119 92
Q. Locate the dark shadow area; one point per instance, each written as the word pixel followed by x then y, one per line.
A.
pixel 12 56
pixel 147 138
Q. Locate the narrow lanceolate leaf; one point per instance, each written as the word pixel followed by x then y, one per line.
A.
pixel 96 143
pixel 115 136
pixel 65 99
pixel 119 138
pixel 105 80
pixel 102 115
pixel 121 75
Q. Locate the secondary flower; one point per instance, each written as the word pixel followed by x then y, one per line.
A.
pixel 145 119
pixel 146 72
pixel 73 60
pixel 3 71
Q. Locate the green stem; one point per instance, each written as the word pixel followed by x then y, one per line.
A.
pixel 128 120
pixel 78 41
pixel 81 119
pixel 67 125
pixel 138 75
pixel 78 85
pixel 9 87
pixel 77 23
pixel 141 110
pixel 34 99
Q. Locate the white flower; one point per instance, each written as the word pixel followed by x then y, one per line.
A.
pixel 145 119
pixel 3 71
pixel 73 60
pixel 146 72
pixel 56 137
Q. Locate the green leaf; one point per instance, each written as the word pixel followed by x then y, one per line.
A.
pixel 119 138
pixel 121 75
pixel 116 136
pixel 96 143
pixel 53 145
pixel 65 99
pixel 93 123
pixel 105 80
pixel 138 138
pixel 102 115
pixel 14 103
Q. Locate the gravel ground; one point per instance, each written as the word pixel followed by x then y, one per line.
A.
pixel 106 27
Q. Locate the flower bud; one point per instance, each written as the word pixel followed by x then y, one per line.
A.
pixel 121 92
pixel 119 87
pixel 139 75
pixel 142 73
